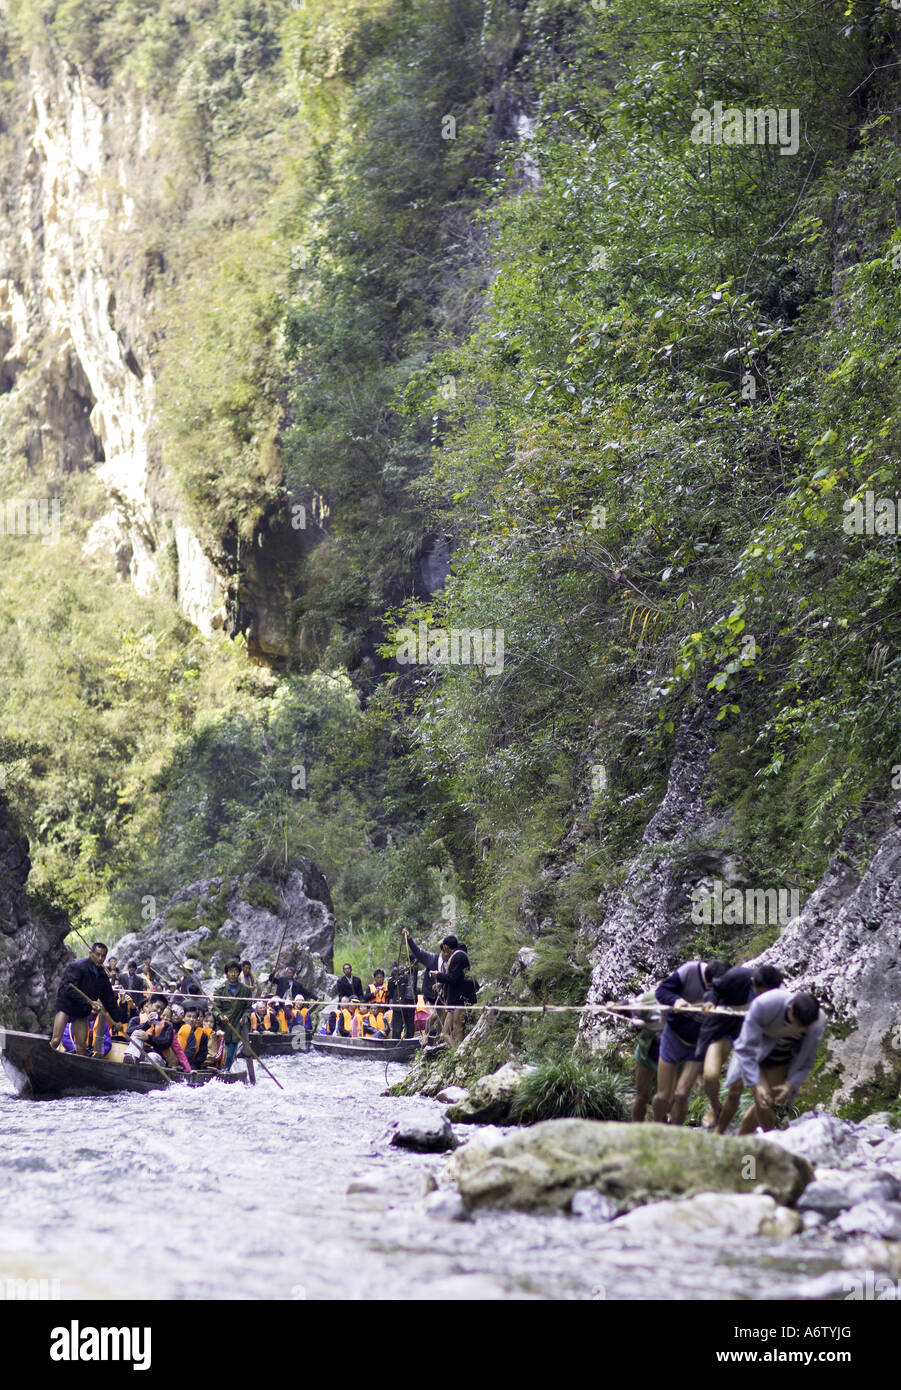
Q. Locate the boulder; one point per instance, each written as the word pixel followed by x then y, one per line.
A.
pixel 821 1139
pixel 542 1167
pixel 725 1213
pixel 824 1199
pixel 426 1133
pixel 255 916
pixel 446 1205
pixel 872 1218
pixel 592 1205
pixel 489 1100
pixel 453 1095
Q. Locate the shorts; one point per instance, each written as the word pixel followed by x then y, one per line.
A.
pixel 647 1050
pixel 676 1049
pixel 714 1029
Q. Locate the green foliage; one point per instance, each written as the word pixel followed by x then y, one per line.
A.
pixel 567 1087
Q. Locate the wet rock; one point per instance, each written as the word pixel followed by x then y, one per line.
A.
pixel 821 1139
pixel 824 1199
pixel 592 1205
pixel 872 1218
pixel 875 1187
pixel 489 1100
pixel 426 1133
pixel 542 1167
pixel 734 1214
pixel 453 1095
pixel 810 1220
pixel 446 1205
pixel 879 1117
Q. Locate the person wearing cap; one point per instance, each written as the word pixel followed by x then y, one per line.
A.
pixel 300 1015
pixel 232 1007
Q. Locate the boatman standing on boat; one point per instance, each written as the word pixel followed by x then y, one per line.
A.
pixel 80 978
pixel 233 1009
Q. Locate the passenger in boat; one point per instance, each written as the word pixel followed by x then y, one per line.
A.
pixel 301 1016
pixel 148 1037
pixel 69 1041
pixel 175 1015
pixel 680 1065
pixel 188 985
pixel 215 1039
pixel 233 1010
pixel 378 991
pixel 153 977
pixel 349 985
pixel 340 1022
pixel 136 985
pixel 375 1021
pixel 287 985
pixel 80 978
pixel 247 976
pixel 774 1053
pixel 193 1039
pixel 736 989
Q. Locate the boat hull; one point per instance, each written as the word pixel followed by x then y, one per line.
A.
pixel 38 1072
pixel 386 1050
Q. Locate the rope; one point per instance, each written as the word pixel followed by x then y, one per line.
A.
pixel 617 1009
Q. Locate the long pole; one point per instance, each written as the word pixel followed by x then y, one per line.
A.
pixel 229 1023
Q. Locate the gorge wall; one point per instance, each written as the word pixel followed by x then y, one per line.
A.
pixel 32 950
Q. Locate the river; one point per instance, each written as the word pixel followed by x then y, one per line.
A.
pixel 230 1192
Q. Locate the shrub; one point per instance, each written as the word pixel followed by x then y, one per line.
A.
pixel 568 1087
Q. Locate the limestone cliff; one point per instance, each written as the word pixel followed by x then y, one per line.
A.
pixel 32 954
pixel 77 308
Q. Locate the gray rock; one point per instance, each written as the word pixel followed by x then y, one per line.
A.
pixel 592 1205
pixel 452 1095
pixel 879 1117
pixel 828 1201
pixel 820 1138
pixel 871 1218
pixel 542 1167
pixel 446 1205
pixel 489 1100
pixel 32 950
pixel 426 1133
pixel 810 1220
pixel 732 1213
pixel 254 914
pixel 874 1186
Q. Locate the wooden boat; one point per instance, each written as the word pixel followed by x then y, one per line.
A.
pixel 385 1049
pixel 279 1044
pixel 37 1071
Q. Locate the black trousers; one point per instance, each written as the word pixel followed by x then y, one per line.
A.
pixel 402 1020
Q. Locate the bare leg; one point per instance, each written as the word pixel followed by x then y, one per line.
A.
pixel 59 1024
pixel 765 1116
pixel 80 1035
pixel 667 1075
pixel 715 1056
pixel 643 1080
pixel 687 1078
pixel 729 1107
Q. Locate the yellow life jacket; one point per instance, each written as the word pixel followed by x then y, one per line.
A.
pixel 379 993
pixel 282 1021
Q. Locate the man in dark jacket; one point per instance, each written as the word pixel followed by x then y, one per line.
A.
pixel 349 985
pixel 449 968
pixel 80 978
pixel 134 984
pixel 402 998
pixel 287 985
pixel 232 1009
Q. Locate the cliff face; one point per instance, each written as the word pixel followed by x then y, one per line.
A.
pixel 77 305
pixel 32 954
